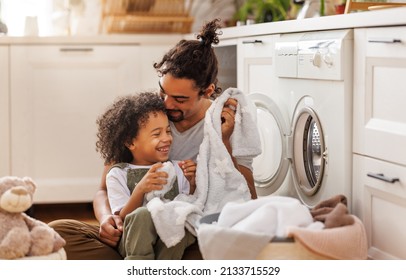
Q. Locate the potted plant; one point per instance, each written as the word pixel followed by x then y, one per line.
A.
pixel 263 10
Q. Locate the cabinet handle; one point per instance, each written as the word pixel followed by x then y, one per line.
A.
pixel 76 49
pixel 252 42
pixel 381 176
pixel 384 40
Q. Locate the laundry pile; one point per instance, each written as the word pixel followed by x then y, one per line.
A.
pixel 244 229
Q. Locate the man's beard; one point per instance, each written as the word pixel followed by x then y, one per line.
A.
pixel 175 118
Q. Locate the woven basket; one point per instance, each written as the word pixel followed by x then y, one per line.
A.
pixel 146 16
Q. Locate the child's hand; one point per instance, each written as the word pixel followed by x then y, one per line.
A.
pixel 153 179
pixel 189 170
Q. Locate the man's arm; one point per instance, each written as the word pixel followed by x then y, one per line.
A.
pixel 227 128
pixel 249 177
pixel 111 226
pixel 246 172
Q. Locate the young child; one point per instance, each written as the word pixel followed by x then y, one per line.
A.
pixel 135 135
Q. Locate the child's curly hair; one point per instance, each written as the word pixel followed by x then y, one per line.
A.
pixel 121 122
pixel 194 59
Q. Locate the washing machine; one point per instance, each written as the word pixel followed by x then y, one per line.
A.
pixel 307 152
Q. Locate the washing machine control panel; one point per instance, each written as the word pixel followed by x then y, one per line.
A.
pixel 319 59
pixel 313 55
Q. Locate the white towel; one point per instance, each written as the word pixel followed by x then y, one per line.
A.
pixel 277 212
pixel 243 229
pixel 170 218
pixel 237 245
pixel 217 180
pixel 170 170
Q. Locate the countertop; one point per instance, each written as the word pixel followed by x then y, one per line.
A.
pixel 377 18
pixel 113 39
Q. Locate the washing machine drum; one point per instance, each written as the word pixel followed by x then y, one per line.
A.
pixel 270 168
pixel 309 152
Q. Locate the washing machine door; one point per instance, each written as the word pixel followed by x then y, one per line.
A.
pixel 309 151
pixel 271 166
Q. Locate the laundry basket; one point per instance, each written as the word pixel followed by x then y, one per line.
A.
pixel 146 16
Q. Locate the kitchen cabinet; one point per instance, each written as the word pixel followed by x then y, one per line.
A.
pixel 56 94
pixel 4 113
pixel 379 181
pixel 255 63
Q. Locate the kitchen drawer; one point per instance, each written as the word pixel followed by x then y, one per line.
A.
pixel 255 63
pixel 381 206
pixel 379 93
pixel 386 42
pixel 258 46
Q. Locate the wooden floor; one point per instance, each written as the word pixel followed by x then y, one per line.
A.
pixel 50 212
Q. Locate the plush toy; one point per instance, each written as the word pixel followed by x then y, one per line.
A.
pixel 21 235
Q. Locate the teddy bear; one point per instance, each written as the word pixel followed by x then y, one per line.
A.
pixel 21 235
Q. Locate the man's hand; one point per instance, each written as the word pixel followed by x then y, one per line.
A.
pixel 189 170
pixel 111 229
pixel 228 118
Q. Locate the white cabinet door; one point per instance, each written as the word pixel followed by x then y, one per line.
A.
pixel 4 113
pixel 381 205
pixel 380 93
pixel 379 189
pixel 57 93
pixel 255 64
